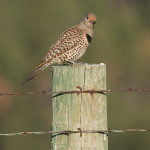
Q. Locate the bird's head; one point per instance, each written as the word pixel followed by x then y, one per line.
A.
pixel 89 20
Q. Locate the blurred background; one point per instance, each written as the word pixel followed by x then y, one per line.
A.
pixel 121 40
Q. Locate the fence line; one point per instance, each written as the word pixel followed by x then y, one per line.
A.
pixel 67 132
pixel 76 92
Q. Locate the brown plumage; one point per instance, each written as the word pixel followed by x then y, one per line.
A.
pixel 70 46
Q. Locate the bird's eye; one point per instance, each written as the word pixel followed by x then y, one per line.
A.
pixel 87 18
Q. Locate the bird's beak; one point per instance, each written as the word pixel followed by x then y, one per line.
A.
pixel 93 22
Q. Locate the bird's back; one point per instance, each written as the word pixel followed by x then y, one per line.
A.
pixel 68 46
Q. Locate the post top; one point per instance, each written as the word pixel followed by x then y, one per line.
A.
pixel 81 64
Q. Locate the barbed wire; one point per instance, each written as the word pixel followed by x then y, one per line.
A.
pixel 75 92
pixel 67 132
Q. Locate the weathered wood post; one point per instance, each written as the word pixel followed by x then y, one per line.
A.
pixel 84 111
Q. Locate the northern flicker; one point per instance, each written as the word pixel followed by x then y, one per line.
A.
pixel 70 46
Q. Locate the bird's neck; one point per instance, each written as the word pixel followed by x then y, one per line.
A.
pixel 88 30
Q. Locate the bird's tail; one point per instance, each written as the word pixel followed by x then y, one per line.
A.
pixel 31 77
pixel 38 68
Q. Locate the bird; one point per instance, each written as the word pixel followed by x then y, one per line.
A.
pixel 70 45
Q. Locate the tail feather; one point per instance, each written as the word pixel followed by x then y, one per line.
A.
pixel 38 68
pixel 31 77
pixel 40 65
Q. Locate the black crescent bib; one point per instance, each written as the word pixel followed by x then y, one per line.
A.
pixel 89 38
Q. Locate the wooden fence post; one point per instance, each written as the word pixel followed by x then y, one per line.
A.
pixel 84 111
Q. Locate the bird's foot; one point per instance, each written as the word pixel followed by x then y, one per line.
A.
pixel 68 63
pixel 81 63
pixel 74 63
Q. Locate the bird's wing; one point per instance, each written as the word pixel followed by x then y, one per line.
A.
pixel 66 41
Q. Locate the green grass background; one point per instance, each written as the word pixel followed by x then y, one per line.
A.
pixel 121 40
